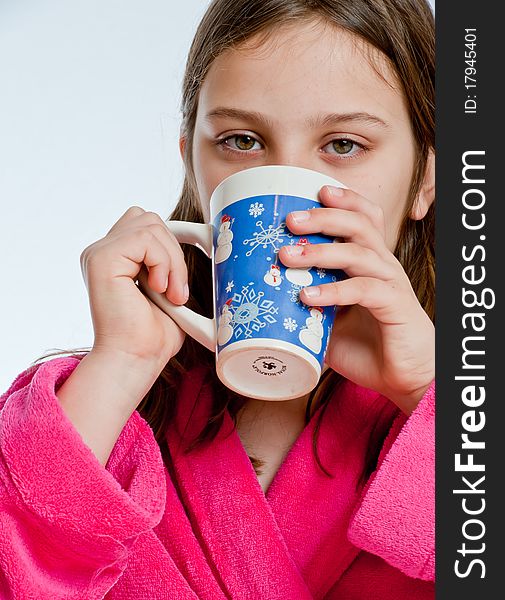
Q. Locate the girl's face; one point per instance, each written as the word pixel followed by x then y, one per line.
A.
pixel 310 96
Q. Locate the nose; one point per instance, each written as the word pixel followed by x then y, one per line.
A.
pixel 292 160
pixel 293 154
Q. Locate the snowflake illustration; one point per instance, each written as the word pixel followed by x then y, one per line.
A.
pixel 272 236
pixel 251 312
pixel 256 209
pixel 294 293
pixel 230 286
pixel 290 324
pixel 321 273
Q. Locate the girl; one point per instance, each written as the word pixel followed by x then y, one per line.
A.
pixel 126 472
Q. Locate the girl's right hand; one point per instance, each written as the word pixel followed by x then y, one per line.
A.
pixel 124 320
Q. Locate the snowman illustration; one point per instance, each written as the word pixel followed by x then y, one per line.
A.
pixel 225 329
pixel 301 277
pixel 273 276
pixel 224 238
pixel 312 336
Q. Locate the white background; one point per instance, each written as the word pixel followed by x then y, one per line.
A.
pixel 89 124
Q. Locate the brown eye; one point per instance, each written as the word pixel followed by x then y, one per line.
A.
pixel 343 146
pixel 244 142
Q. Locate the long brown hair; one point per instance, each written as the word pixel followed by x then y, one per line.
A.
pixel 403 30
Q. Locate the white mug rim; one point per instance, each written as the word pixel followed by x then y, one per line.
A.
pixel 285 180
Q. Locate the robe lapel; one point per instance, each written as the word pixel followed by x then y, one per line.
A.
pixel 227 508
pixel 312 510
pixel 289 543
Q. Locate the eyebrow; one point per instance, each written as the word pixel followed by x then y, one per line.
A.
pixel 313 122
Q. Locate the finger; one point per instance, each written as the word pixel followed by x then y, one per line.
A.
pixel 164 261
pixel 381 298
pixel 132 213
pixel 335 222
pixel 177 277
pixel 135 217
pixel 176 281
pixel 154 222
pixel 334 197
pixel 352 258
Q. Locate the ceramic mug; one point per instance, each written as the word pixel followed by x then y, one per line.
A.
pixel 269 345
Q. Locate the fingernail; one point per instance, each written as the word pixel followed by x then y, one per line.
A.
pixel 312 292
pixel 300 215
pixel 294 250
pixel 186 291
pixel 336 192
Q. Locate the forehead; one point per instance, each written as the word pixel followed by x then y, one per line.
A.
pixel 304 68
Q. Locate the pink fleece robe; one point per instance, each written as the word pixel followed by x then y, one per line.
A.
pixel 72 529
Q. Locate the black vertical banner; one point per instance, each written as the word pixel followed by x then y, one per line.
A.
pixel 470 244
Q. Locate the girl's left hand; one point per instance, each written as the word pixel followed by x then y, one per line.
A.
pixel 383 340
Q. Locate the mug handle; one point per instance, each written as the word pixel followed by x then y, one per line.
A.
pixel 200 328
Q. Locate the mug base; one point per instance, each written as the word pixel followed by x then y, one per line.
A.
pixel 267 369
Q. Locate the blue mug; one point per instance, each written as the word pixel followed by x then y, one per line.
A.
pixel 269 345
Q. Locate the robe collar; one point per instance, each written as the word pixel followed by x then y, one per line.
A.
pixel 292 541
